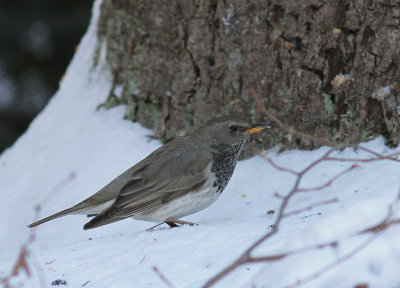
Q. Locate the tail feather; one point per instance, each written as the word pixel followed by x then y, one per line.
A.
pixel 97 222
pixel 106 217
pixel 54 216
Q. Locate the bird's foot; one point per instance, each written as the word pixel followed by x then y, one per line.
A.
pixel 151 228
pixel 172 222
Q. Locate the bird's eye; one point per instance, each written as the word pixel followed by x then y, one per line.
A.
pixel 234 128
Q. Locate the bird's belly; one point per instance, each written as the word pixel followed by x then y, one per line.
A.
pixel 180 207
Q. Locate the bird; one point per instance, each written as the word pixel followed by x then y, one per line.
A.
pixel 178 179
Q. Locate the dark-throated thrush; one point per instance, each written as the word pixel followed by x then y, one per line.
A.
pixel 180 178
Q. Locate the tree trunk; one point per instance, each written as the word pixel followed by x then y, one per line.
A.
pixel 328 68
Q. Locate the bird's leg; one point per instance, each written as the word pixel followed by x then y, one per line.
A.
pixel 172 222
pixel 151 228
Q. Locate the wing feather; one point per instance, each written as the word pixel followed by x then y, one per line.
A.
pixel 157 185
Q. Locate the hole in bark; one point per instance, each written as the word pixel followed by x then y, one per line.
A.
pixel 317 72
pixel 341 106
pixel 277 13
pixel 211 63
pixel 332 97
pixel 392 69
pixel 308 26
pixel 336 66
pixel 314 8
pixel 297 40
pixel 216 23
pixel 368 36
pixel 295 16
pixel 340 16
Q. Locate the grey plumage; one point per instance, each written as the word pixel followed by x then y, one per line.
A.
pixel 178 179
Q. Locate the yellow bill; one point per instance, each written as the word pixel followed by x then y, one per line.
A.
pixel 256 128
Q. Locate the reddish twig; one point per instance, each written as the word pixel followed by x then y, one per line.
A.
pixel 276 166
pixel 329 182
pixel 162 277
pixel 376 230
pixel 60 185
pixel 21 265
pixel 334 264
pixel 312 206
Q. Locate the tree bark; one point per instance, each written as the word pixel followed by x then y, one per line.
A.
pixel 328 68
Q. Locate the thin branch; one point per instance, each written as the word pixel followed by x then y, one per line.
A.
pixel 310 207
pixel 287 128
pixel 276 166
pixel 329 182
pixel 376 230
pixel 334 264
pixel 162 277
pixel 291 253
pixel 21 263
pixel 71 176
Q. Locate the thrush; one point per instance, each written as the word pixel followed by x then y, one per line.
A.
pixel 180 178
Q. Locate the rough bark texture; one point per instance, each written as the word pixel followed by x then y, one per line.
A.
pixel 329 68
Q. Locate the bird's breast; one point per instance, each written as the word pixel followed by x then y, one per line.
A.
pixel 224 164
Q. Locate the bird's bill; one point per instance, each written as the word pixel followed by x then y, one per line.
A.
pixel 257 128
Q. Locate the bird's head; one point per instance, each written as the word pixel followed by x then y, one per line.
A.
pixel 229 130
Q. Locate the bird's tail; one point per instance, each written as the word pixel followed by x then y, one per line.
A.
pixel 54 216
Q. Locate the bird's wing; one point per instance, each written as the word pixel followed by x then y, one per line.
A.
pixel 176 173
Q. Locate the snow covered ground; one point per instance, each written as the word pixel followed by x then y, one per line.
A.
pixel 71 136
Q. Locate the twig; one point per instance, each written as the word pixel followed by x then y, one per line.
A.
pixel 329 182
pixel 71 176
pixel 276 166
pixel 162 277
pixel 376 230
pixel 22 262
pixel 287 128
pixel 334 264
pixel 312 206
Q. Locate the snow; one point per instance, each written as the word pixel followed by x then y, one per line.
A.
pixel 72 136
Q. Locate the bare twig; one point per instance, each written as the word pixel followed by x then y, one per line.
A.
pixel 376 230
pixel 21 265
pixel 273 164
pixel 71 176
pixel 287 128
pixel 334 264
pixel 310 207
pixel 162 277
pixel 329 182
